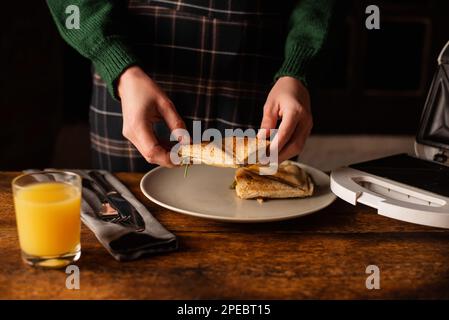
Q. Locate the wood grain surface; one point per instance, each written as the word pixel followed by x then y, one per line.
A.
pixel 321 256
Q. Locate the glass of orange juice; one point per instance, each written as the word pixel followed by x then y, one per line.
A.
pixel 48 206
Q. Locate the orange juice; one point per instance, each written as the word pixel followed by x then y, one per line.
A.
pixel 48 218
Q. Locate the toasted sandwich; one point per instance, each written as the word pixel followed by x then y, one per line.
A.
pixel 290 181
pixel 233 152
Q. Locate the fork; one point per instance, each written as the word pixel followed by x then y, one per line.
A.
pixel 106 212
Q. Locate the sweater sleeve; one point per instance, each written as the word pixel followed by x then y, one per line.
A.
pixel 308 28
pixel 100 36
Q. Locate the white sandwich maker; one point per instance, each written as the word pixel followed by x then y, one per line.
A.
pixel 404 187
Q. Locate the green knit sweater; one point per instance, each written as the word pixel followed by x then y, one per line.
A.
pixel 101 39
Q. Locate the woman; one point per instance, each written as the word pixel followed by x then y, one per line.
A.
pixel 230 64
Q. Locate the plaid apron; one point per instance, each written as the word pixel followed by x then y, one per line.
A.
pixel 214 59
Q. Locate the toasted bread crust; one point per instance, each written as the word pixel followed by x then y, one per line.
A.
pixel 217 154
pixel 250 184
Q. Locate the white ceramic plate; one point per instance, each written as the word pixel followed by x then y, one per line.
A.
pixel 206 193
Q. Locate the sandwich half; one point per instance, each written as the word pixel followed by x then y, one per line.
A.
pixel 290 181
pixel 231 152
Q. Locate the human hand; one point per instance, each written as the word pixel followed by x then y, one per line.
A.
pixel 289 101
pixel 143 104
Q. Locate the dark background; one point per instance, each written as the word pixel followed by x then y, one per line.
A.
pixel 365 81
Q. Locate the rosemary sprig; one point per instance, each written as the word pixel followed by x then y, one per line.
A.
pixel 186 168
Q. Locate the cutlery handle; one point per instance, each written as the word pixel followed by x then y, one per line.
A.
pixel 102 183
pixel 88 184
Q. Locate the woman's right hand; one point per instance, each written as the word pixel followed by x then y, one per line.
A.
pixel 143 104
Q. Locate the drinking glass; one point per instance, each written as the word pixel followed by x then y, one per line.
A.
pixel 48 206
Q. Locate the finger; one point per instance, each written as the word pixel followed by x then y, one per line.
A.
pixel 286 129
pixel 295 145
pixel 158 155
pixel 149 147
pixel 269 120
pixel 172 118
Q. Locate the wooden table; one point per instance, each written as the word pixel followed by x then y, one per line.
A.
pixel 323 255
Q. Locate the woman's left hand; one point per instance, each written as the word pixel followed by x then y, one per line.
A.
pixel 289 101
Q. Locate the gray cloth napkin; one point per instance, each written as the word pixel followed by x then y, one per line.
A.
pixel 123 242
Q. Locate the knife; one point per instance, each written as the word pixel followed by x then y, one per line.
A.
pixel 123 207
pixel 106 211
